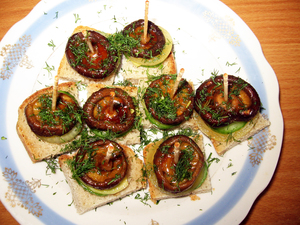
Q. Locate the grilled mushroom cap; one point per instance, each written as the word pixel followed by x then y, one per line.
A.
pixel 162 107
pixel 96 64
pixel 107 172
pixel 242 105
pixel 178 176
pixel 153 47
pixel 110 109
pixel 45 122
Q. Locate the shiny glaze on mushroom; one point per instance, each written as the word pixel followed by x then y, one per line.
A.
pixel 110 109
pixel 107 162
pixel 177 176
pixel 242 105
pixel 155 44
pixel 45 122
pixel 162 107
pixel 98 62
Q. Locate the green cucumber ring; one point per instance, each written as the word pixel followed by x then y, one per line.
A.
pixel 229 129
pixel 64 138
pixel 121 186
pixel 157 123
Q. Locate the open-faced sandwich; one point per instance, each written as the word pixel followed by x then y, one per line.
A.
pixel 229 111
pixel 43 129
pixel 113 109
pixel 152 53
pixel 102 172
pixel 94 56
pixel 168 103
pixel 89 57
pixel 176 167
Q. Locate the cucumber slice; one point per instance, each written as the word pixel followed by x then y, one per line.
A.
pixel 121 186
pixel 159 58
pixel 108 134
pixel 201 177
pixel 64 138
pixel 235 126
pixel 157 123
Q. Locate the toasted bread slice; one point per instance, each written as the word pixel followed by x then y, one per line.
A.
pixel 158 193
pixel 224 142
pixel 222 147
pixel 66 72
pixel 85 201
pixel 132 137
pixel 38 149
pixel 135 74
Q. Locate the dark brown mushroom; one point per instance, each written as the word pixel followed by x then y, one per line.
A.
pixel 45 122
pixel 167 110
pixel 155 44
pixel 97 62
pixel 110 165
pixel 110 109
pixel 176 177
pixel 242 105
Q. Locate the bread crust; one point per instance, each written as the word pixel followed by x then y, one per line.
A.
pixel 36 148
pixel 85 201
pixel 66 72
pixel 222 147
pixel 157 193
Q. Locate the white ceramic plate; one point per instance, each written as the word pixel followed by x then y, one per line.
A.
pixel 208 37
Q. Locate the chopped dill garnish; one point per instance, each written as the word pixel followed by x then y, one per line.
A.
pixel 143 199
pixel 51 44
pixel 231 64
pixel 183 166
pixel 124 83
pixel 121 43
pixel 210 160
pixel 77 18
pixel 52 165
pixel 65 116
pixel 49 69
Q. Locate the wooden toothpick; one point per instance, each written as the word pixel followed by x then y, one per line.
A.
pixel 89 43
pixel 179 76
pixel 109 152
pixel 54 96
pixel 176 152
pixel 145 38
pixel 225 83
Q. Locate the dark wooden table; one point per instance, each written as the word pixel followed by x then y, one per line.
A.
pixel 276 23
